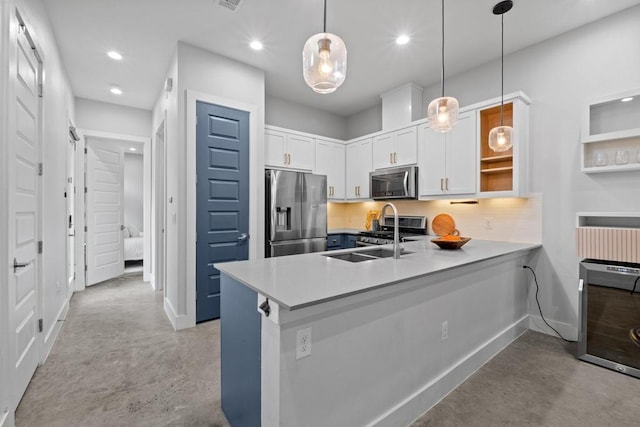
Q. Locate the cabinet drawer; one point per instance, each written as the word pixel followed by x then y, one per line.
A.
pixel 334 241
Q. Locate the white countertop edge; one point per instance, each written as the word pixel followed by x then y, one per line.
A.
pixel 228 269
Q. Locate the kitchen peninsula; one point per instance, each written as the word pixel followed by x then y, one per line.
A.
pixel 364 343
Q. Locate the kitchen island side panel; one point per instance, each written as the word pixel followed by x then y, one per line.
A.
pixel 386 360
pixel 240 325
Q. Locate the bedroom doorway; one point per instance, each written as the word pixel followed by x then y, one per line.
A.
pixel 117 206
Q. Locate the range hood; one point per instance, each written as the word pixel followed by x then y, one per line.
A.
pixel 401 106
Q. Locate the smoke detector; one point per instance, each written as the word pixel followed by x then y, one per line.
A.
pixel 232 5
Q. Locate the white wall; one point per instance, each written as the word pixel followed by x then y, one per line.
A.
pixel 561 75
pixel 365 122
pixel 211 76
pixel 133 190
pixel 105 117
pixel 290 115
pixel 57 113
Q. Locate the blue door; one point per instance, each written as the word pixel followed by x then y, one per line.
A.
pixel 222 189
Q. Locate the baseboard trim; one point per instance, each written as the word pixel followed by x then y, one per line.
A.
pixel 54 331
pixel 177 321
pixel 4 419
pixel 568 331
pixel 433 392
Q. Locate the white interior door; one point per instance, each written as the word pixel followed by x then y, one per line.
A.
pixel 105 174
pixel 159 208
pixel 24 216
pixel 70 220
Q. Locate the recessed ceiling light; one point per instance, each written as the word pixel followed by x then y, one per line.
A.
pixel 116 91
pixel 132 149
pixel 627 99
pixel 256 45
pixel 114 55
pixel 402 39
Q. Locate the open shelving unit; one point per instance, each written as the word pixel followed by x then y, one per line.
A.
pixel 611 131
pixel 496 169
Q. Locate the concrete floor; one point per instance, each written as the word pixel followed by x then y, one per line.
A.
pixel 118 362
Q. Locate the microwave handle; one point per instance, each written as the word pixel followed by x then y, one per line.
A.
pixel 406 182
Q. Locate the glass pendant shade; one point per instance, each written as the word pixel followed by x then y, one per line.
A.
pixel 442 114
pixel 501 138
pixel 324 62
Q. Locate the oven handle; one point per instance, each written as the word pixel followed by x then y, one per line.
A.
pixel 359 243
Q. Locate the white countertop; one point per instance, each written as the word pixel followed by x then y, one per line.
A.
pixel 297 281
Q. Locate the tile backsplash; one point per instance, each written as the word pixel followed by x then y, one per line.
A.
pixel 508 219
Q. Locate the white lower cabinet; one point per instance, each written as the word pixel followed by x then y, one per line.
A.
pixel 330 161
pixel 447 161
pixel 358 167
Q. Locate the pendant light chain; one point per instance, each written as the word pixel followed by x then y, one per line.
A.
pixel 324 28
pixel 502 72
pixel 442 75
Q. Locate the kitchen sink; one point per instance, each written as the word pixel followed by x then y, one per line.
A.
pixel 365 255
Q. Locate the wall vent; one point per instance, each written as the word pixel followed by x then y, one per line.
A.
pixel 232 5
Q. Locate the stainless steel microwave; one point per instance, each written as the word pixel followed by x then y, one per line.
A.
pixel 395 183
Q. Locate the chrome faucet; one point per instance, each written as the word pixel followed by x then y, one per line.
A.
pixel 396 235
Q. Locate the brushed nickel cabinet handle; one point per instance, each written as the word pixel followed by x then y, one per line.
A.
pixel 395 157
pixel 446 184
pixel 285 158
pixel 441 184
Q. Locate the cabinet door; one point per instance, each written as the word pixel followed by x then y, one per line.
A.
pixel 432 166
pixel 301 152
pixel 358 167
pixel 406 147
pixel 330 161
pixel 383 149
pixel 461 156
pixel 274 148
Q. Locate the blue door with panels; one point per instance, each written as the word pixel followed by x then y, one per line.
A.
pixel 222 189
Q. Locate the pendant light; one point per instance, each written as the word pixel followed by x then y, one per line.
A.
pixel 442 113
pixel 324 60
pixel 501 137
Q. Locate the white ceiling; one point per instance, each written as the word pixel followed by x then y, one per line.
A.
pixel 146 32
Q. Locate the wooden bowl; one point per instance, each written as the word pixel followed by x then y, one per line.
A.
pixel 451 244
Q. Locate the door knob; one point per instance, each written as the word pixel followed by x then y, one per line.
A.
pixel 243 237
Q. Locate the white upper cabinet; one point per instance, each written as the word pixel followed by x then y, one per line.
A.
pixel 398 148
pixel 504 174
pixel 447 161
pixel 288 150
pixel 358 167
pixel 330 161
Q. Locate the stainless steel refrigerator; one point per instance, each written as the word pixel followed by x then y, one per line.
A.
pixel 296 213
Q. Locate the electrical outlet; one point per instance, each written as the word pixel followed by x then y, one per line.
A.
pixel 488 223
pixel 303 343
pixel 445 330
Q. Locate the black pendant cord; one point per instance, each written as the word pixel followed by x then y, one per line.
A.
pixel 324 28
pixel 442 75
pixel 502 73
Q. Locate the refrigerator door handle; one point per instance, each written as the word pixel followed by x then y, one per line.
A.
pixel 243 237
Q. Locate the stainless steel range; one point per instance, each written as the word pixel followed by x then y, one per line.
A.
pixel 410 226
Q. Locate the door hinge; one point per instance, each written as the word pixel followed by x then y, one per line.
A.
pixel 85 190
pixel 40 325
pixel 85 267
pixel 85 150
pixel 40 90
pixel 65 194
pixel 40 169
pixel 40 244
pixel 85 228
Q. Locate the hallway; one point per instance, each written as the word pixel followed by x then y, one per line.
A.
pixel 118 362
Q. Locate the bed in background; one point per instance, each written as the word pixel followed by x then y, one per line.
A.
pixel 133 245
